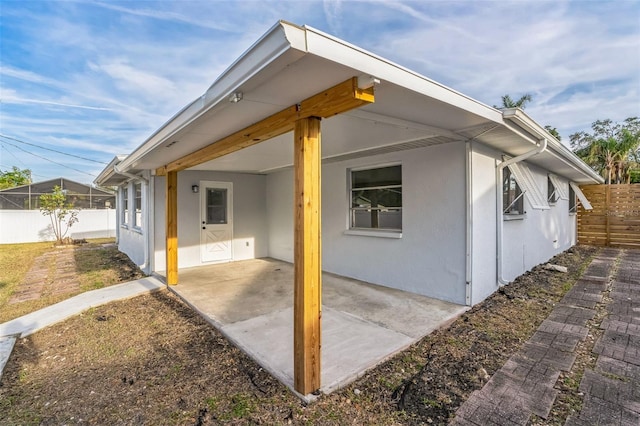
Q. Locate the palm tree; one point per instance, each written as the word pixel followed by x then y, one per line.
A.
pixel 611 150
pixel 508 102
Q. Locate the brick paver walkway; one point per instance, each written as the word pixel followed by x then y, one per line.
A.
pixel 525 384
pixel 52 273
pixel 612 388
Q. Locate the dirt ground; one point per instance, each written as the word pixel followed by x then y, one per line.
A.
pixel 151 360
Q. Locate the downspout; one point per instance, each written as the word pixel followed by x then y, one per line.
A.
pixel 542 146
pixel 469 219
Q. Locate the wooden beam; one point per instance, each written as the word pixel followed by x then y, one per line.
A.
pixel 336 100
pixel 307 257
pixel 171 213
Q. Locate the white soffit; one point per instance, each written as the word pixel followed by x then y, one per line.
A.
pixel 527 183
pixel 559 186
pixel 583 199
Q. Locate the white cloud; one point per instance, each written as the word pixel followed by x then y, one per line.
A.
pixel 103 76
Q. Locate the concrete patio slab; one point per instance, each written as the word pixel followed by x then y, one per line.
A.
pixel 350 345
pixel 363 324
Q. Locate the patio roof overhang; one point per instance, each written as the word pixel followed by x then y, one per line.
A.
pixel 292 63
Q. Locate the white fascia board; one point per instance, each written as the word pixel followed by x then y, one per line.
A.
pixel 344 53
pixel 527 183
pixel 519 117
pixel 282 37
pixel 108 172
pixel 559 187
pixel 583 199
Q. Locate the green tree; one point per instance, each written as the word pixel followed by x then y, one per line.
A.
pixel 60 212
pixel 611 149
pixel 14 177
pixel 553 131
pixel 508 102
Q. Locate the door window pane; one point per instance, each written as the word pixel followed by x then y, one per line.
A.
pixel 216 206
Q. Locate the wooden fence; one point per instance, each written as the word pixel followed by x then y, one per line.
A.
pixel 615 218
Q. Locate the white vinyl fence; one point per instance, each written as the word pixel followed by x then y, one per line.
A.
pixel 30 226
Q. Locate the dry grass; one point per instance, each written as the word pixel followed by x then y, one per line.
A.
pixel 96 267
pixel 15 261
pixel 152 360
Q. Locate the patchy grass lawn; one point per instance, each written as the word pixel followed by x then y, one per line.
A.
pixel 97 264
pixel 15 261
pixel 152 360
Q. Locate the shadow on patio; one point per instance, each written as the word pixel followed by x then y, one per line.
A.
pixel 251 302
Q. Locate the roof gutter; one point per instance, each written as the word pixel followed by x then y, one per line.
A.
pixel 542 146
pixel 117 171
pixel 522 120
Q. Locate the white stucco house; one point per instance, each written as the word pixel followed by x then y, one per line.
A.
pixel 423 189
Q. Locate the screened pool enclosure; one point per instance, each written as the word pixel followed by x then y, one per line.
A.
pixel 27 197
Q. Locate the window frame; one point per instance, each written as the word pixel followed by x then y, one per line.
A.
pixel 137 209
pixel 552 192
pixel 124 214
pixel 509 200
pixel 573 202
pixel 371 231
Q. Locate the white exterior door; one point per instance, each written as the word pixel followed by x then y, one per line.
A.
pixel 216 221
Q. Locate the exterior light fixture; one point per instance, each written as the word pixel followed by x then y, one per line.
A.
pixel 367 81
pixel 195 189
pixel 236 97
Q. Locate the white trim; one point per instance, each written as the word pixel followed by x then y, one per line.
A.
pixel 373 233
pixel 527 183
pixel 559 186
pixel 583 199
pixel 204 184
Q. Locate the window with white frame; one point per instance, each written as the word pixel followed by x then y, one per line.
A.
pixel 376 198
pixel 137 218
pixel 512 195
pixel 125 205
pixel 552 193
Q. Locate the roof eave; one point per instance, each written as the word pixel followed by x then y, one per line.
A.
pixel 280 38
pixel 108 172
pixel 520 118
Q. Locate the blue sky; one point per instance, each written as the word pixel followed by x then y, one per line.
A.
pixel 96 78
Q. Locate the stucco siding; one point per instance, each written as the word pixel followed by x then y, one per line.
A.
pixel 429 259
pixel 527 242
pixel 250 238
pixel 483 195
pixel 539 236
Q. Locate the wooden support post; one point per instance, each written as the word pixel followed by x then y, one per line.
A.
pixel 307 305
pixel 171 214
